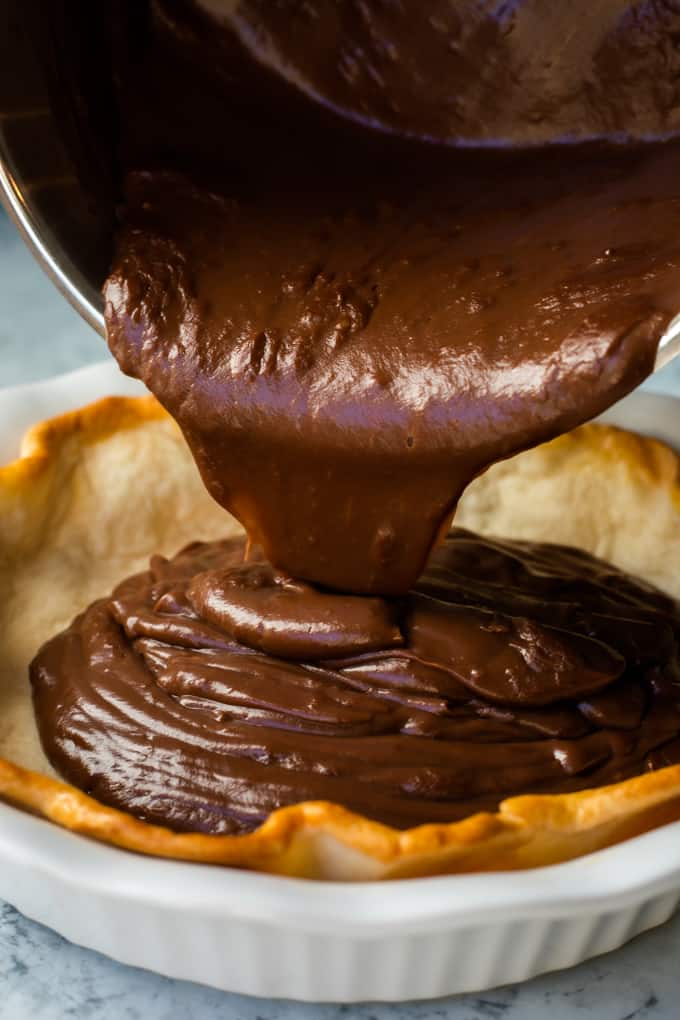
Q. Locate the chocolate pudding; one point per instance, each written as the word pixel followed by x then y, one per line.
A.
pixel 207 692
pixel 349 328
pixel 524 73
pixel 346 350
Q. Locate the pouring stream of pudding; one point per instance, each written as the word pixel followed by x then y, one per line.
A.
pixel 347 347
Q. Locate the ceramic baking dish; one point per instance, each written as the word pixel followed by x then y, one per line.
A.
pixel 318 941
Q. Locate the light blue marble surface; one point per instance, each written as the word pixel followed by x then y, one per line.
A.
pixel 43 977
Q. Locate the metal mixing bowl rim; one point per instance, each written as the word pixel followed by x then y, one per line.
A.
pixel 51 258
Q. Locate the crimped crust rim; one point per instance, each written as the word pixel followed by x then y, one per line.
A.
pixel 319 839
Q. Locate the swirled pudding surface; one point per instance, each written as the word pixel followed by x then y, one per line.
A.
pixel 210 690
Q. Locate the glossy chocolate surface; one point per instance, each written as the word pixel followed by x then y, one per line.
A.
pixel 348 328
pixel 347 344
pixel 207 692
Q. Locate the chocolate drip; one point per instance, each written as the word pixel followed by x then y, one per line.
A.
pixel 346 349
pixel 164 701
pixel 349 327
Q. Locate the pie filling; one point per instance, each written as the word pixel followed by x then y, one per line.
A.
pixel 348 332
pixel 210 690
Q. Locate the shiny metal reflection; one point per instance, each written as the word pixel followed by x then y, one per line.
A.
pixel 56 180
pixel 46 248
pixel 669 347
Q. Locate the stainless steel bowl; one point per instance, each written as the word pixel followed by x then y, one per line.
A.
pixel 56 164
pixel 58 177
pixel 669 347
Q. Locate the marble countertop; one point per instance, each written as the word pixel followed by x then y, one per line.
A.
pixel 44 977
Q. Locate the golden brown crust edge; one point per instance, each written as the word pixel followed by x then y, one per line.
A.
pixel 320 839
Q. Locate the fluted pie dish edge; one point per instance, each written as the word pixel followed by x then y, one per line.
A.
pixel 77 515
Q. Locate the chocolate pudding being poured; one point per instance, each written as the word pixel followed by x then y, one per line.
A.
pixel 349 328
pixel 525 73
pixel 346 347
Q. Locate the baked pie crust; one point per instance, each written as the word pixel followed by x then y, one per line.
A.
pixel 97 491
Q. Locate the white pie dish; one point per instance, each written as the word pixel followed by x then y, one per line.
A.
pixel 271 936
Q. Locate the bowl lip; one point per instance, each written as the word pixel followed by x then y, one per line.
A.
pixel 65 275
pixel 625 874
pixel 49 255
